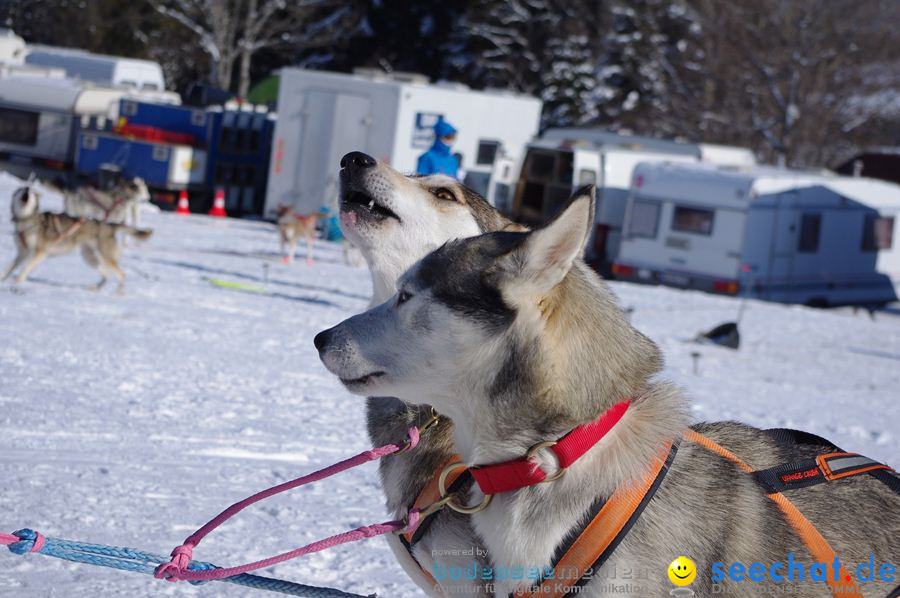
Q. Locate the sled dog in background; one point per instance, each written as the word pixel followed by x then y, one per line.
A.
pixel 292 227
pixel 118 205
pixel 394 220
pixel 39 235
pixel 514 338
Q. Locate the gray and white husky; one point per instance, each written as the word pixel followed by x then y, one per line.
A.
pixel 518 342
pixel 39 235
pixel 395 220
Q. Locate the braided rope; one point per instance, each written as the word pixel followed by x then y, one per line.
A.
pixel 129 559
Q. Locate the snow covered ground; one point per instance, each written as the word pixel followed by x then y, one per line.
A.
pixel 132 420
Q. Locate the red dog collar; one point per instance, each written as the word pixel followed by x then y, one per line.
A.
pixel 524 472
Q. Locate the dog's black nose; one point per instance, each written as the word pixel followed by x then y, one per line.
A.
pixel 357 160
pixel 322 339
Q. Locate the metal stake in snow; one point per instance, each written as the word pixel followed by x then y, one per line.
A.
pixel 695 355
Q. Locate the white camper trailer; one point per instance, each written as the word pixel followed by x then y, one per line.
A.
pixel 775 234
pixel 569 157
pixel 322 116
pixel 39 118
pixel 111 71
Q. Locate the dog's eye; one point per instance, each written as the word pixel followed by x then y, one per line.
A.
pixel 444 194
pixel 403 297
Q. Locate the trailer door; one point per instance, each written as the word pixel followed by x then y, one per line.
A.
pixel 784 239
pixel 332 125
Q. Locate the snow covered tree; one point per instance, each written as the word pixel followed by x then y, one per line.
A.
pixel 294 24
pixel 540 47
pixel 647 58
pixel 216 25
pixel 231 31
pixel 789 78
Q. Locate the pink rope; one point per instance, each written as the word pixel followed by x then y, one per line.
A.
pixel 7 539
pixel 38 542
pixel 168 572
pixel 176 569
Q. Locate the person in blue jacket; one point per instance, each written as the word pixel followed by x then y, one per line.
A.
pixel 438 159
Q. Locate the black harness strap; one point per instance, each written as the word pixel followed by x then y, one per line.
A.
pixel 832 465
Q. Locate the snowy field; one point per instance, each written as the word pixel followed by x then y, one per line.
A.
pixel 132 420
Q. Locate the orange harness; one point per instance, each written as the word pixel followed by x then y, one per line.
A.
pixel 612 519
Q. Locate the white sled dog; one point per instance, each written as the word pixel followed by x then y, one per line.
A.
pixel 39 235
pixel 395 220
pixel 514 338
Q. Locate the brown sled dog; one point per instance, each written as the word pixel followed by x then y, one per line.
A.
pixel 292 227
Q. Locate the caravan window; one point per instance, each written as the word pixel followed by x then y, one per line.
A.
pixel 809 233
pixel 644 219
pixel 18 126
pixel 878 233
pixel 487 152
pixel 693 220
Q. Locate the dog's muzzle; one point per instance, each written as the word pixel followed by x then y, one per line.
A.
pixel 359 202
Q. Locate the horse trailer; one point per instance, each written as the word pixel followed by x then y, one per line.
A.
pixel 775 234
pixel 322 116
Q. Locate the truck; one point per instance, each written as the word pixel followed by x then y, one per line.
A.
pixel 182 148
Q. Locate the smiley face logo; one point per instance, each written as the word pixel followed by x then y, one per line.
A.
pixel 682 571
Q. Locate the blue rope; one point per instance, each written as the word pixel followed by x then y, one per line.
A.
pixel 129 559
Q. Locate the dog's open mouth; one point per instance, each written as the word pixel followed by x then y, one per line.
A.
pixel 364 204
pixel 361 381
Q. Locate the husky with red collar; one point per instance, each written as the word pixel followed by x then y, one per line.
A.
pixel 395 220
pixel 581 456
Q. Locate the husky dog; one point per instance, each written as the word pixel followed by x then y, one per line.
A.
pixel 395 220
pixel 518 342
pixel 118 205
pixel 292 227
pixel 40 235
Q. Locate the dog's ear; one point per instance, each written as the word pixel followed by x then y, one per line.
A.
pixel 546 255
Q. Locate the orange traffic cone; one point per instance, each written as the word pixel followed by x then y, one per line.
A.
pixel 183 205
pixel 218 208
